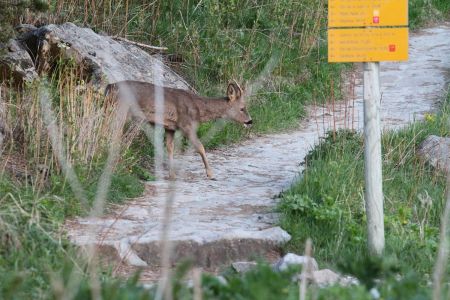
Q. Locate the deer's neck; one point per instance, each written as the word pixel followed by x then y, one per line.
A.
pixel 213 108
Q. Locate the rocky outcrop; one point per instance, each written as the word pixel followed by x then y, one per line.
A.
pixel 436 151
pixel 16 63
pixel 101 59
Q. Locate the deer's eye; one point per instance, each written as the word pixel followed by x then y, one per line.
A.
pixel 242 109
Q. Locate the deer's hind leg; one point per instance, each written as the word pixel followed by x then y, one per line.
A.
pixel 195 141
pixel 170 134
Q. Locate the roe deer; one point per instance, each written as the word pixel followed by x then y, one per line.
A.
pixel 183 110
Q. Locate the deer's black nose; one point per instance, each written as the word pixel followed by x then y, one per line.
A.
pixel 249 122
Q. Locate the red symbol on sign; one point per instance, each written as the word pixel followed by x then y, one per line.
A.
pixel 376 19
pixel 391 48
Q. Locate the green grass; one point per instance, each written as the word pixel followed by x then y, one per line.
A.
pixel 32 248
pixel 425 12
pixel 327 205
pixel 282 109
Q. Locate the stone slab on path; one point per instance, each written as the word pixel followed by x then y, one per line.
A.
pixel 233 218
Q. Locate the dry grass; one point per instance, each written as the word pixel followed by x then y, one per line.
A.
pixel 82 116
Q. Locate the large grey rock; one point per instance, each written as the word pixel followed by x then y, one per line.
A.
pixel 436 151
pixel 102 59
pixel 107 59
pixel 16 63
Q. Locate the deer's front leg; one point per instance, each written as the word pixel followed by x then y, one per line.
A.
pixel 170 146
pixel 193 138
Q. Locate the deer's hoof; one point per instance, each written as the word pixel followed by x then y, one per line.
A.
pixel 210 175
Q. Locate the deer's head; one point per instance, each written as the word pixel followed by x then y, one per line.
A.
pixel 238 109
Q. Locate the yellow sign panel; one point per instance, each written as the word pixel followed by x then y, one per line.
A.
pixel 361 13
pixel 365 45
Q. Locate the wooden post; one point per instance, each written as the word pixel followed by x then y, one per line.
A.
pixel 372 158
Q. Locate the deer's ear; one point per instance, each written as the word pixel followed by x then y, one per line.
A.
pixel 233 92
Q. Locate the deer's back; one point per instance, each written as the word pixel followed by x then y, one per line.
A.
pixel 180 107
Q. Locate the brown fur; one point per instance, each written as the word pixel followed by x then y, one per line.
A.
pixel 183 111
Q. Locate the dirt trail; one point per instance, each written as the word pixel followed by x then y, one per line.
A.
pixel 232 218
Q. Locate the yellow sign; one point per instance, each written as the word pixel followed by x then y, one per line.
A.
pixel 362 13
pixel 367 44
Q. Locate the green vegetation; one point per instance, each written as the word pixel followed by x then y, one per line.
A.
pixel 216 45
pixel 328 203
pixel 32 246
pixel 425 12
pixel 280 46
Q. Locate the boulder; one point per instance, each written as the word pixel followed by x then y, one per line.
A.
pixel 102 59
pixel 436 151
pixel 16 63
